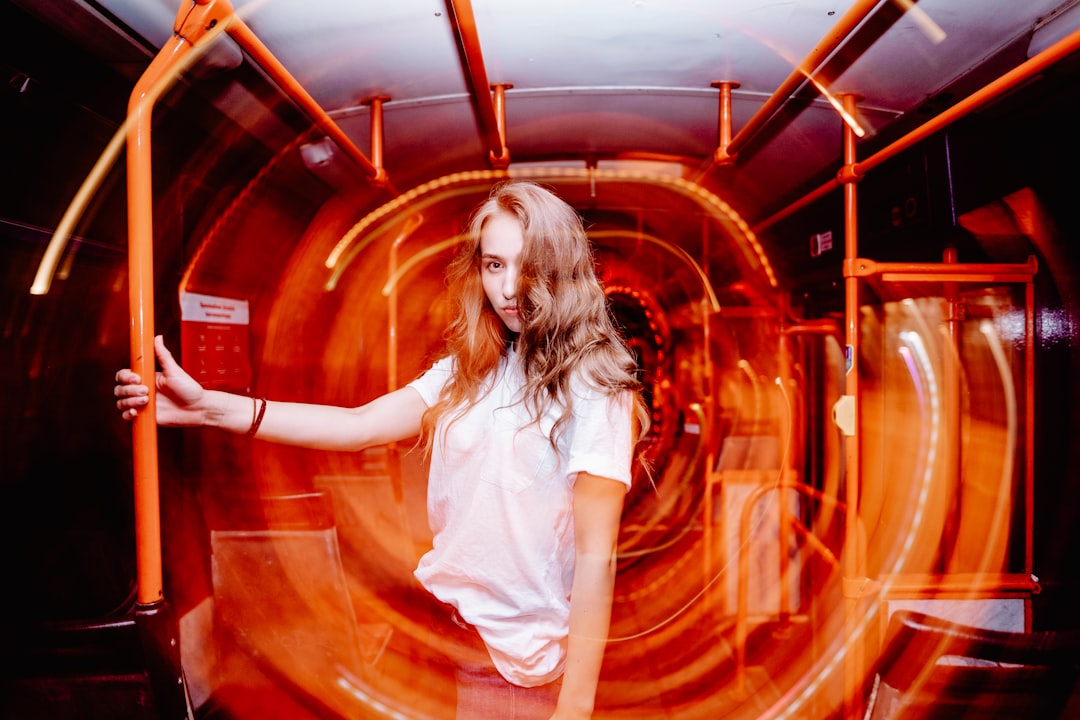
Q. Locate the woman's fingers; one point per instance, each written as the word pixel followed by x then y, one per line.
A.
pixel 129 405
pixel 130 400
pixel 130 390
pixel 131 394
pixel 127 377
pixel 174 388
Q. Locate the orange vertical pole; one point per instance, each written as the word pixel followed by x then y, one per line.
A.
pixel 141 303
pixel 854 570
pixel 197 22
pixel 203 15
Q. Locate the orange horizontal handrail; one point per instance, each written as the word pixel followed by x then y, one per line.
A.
pixel 819 326
pixel 1018 75
pixel 938 272
pixel 1053 54
pixel 965 584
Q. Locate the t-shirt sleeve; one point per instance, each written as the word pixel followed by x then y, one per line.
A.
pixel 600 439
pixel 431 383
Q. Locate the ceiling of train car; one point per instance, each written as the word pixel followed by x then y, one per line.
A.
pixel 603 78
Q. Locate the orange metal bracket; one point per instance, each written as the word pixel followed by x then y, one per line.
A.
pixel 376 104
pixel 502 160
pixel 265 59
pixel 721 156
pixel 463 21
pixel 848 174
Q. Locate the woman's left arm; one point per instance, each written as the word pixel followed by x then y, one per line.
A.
pixel 598 503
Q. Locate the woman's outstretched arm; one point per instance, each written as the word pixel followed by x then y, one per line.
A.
pixel 182 402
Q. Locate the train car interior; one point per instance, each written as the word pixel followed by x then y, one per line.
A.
pixel 839 236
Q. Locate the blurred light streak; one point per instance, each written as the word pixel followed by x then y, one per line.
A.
pixel 917 359
pixel 413 222
pixel 417 258
pixel 47 267
pixel 806 69
pixel 755 384
pixel 854 16
pixel 930 28
pixel 691 465
pixel 351 685
pixel 1012 324
pixel 224 218
pixel 909 361
pixel 745 534
pixel 406 198
pixel 673 572
pixel 1000 521
pixel 745 240
pixel 690 189
pixel 847 117
pixel 707 289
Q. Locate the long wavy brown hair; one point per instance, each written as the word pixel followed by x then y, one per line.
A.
pixel 567 326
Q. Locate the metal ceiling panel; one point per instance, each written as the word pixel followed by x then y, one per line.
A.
pixel 622 76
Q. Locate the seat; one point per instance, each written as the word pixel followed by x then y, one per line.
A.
pixel 933 668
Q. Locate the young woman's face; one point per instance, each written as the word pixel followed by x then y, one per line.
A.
pixel 500 266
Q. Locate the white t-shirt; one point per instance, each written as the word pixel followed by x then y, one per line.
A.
pixel 500 508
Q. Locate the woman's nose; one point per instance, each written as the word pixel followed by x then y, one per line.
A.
pixel 510 281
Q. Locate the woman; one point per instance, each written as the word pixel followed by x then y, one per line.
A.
pixel 529 421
